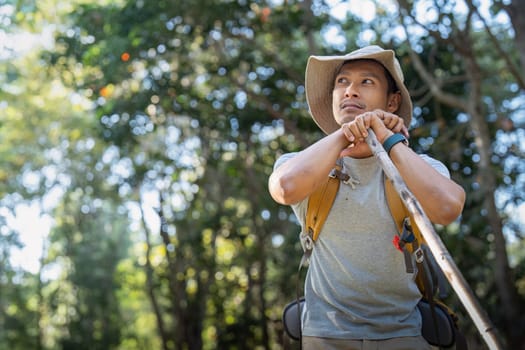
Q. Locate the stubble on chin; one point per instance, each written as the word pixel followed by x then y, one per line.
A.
pixel 344 119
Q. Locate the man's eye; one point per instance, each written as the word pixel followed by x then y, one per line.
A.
pixel 367 81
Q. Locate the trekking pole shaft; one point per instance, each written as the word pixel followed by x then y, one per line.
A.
pixel 436 246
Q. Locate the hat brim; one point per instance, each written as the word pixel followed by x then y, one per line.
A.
pixel 321 70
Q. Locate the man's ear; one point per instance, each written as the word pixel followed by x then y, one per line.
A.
pixel 394 101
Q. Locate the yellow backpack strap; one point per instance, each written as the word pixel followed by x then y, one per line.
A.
pixel 409 238
pixel 397 208
pixel 403 219
pixel 320 203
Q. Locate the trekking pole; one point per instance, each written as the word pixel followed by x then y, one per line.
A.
pixel 434 242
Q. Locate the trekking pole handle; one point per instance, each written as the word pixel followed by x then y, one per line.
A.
pixel 436 246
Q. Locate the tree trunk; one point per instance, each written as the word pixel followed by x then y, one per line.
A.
pixel 150 289
pixel 516 9
pixel 472 104
pixel 503 275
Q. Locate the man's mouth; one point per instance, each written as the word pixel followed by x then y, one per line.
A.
pixel 351 105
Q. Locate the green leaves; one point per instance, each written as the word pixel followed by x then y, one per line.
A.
pixel 153 127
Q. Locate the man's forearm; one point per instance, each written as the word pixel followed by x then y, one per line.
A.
pixel 300 176
pixel 440 197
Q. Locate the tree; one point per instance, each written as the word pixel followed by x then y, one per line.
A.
pixel 485 114
pixel 189 161
pixel 158 123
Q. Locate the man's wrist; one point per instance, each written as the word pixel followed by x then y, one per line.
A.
pixel 393 140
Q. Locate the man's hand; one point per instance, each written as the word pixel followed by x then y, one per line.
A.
pixel 382 123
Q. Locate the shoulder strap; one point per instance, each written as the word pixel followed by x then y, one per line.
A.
pixel 403 218
pixel 410 238
pixel 430 278
pixel 320 203
pixel 395 204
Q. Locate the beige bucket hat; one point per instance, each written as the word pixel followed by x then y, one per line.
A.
pixel 320 73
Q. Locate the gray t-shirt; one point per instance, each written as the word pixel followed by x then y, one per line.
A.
pixel 357 286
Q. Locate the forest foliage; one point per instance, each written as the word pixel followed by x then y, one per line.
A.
pixel 144 132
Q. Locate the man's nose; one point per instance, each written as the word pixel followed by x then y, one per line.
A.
pixel 351 90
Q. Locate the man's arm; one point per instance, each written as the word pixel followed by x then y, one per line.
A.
pixel 440 197
pixel 300 176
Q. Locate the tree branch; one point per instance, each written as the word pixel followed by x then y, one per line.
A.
pixel 513 68
pixel 434 85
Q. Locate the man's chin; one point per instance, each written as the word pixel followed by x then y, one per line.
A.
pixel 347 117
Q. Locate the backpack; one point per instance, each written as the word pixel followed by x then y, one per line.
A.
pixel 440 323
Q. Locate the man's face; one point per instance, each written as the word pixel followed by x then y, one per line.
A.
pixel 361 86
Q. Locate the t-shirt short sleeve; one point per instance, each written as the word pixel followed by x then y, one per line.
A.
pixel 280 161
pixel 436 164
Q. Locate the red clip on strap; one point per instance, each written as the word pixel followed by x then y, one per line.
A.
pixel 396 242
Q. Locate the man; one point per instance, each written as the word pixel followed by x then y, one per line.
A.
pixel 358 293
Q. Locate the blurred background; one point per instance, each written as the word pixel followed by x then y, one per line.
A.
pixel 137 137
